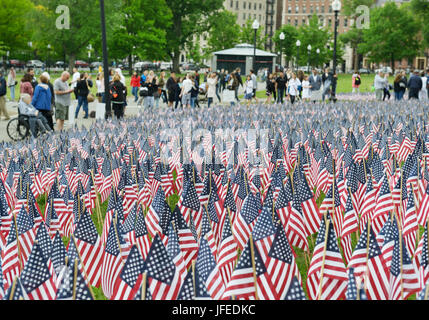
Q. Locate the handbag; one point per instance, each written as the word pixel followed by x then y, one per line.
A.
pixel 90 97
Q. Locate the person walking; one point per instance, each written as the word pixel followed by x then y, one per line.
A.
pixel 415 84
pixel 306 89
pixel 118 94
pixel 11 83
pixel 135 85
pixel 26 86
pixel 237 75
pixel 161 86
pixel 171 89
pixel 75 80
pixel 300 77
pixel 149 86
pixel 399 86
pixel 211 88
pixel 232 87
pixel 423 95
pixel 387 87
pixel 194 91
pixel 33 81
pixel 327 80
pixel 315 81
pixel 62 93
pixel 248 89
pixel 379 85
pixel 49 116
pixel 254 83
pixel 185 93
pixel 177 91
pixel 270 88
pixel 356 82
pixel 42 99
pixel 292 87
pixel 3 92
pixel 82 91
pixel 281 83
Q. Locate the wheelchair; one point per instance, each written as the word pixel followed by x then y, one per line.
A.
pixel 19 128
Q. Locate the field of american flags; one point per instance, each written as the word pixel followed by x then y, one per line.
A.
pixel 310 200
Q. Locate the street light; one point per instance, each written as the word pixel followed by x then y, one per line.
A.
pixel 308 57
pixel 255 26
pixel 298 44
pixel 47 61
pixel 336 6
pixel 318 53
pixel 108 108
pixel 281 37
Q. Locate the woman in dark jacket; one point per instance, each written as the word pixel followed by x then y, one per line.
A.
pixel 42 97
pixel 82 91
pixel 118 94
pixel 399 86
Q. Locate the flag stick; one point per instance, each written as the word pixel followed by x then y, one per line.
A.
pixel 367 253
pixel 74 279
pixel 193 279
pixel 401 264
pixel 253 266
pixel 83 267
pixel 323 260
pixel 143 297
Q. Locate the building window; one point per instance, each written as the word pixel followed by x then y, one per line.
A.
pixel 330 22
pixel 288 20
pixel 260 6
pixel 296 9
pixel 244 16
pixel 296 22
pixel 345 22
pixel 250 6
pixel 244 4
pixel 254 16
pixel 236 5
pixel 304 9
pixel 311 9
pixel 254 6
pixel 260 18
pixel 232 4
pixel 323 9
pixel 317 9
pixel 304 21
pixel 289 9
pixel 330 9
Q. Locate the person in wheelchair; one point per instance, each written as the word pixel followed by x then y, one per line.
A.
pixel 35 118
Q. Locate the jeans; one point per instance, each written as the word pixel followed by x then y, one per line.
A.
pixel 292 99
pixel 81 101
pixel 156 102
pixel 12 93
pixel 148 101
pixel 135 91
pixel 217 92
pixel 41 123
pixel 386 93
pixel 193 100
pixel 236 94
pixel 280 95
pixel 209 102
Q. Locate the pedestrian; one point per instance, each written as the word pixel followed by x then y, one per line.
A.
pixel 232 88
pixel 34 82
pixel 270 88
pixel 118 94
pixel 292 87
pixel 225 80
pixel 143 77
pixel 49 116
pixel 35 118
pixel 62 93
pixel 315 81
pixel 356 82
pixel 75 79
pixel 3 92
pixel 281 83
pixel 171 88
pixel 42 97
pixel 300 77
pixel 177 91
pixel 248 89
pixel 327 79
pixel 211 88
pixel 149 87
pixel 11 83
pixel 135 85
pixel 82 91
pixel 194 91
pixel 254 84
pixel 387 87
pixel 399 86
pixel 415 84
pixel 161 86
pixel 423 95
pixel 222 80
pixel 26 86
pixel 185 93
pixel 306 89
pixel 237 75
pixel 100 87
pixel 379 85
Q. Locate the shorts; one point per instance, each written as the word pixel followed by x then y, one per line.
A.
pixel 61 111
pixel 254 93
pixel 248 96
pixel 186 99
pixel 171 96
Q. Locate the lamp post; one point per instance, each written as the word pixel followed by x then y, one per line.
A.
pixel 47 60
pixel 336 6
pixel 298 44
pixel 317 62
pixel 255 27
pixel 281 37
pixel 108 109
pixel 308 57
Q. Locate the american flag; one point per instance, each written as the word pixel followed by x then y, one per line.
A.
pixel 248 283
pixel 73 285
pixel 423 212
pixel 404 279
pixel 187 290
pixel 245 220
pixel 410 226
pixel 355 291
pixel 16 291
pixel 36 278
pixel 209 271
pixel 26 234
pixel 128 281
pixel 327 277
pixel 421 258
pixel 227 253
pixel 384 205
pixel 58 254
pixel 88 245
pixel 295 291
pixel 11 260
pixel 173 249
pixel 157 211
pixel 135 231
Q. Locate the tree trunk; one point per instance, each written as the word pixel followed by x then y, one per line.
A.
pixel 72 60
pixel 392 60
pixel 356 59
pixel 176 60
pixel 130 64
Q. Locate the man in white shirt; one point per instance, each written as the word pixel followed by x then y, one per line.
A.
pixel 186 91
pixel 75 79
pixel 379 84
pixel 255 84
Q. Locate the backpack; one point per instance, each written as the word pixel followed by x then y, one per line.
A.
pixel 427 83
pixel 144 92
pixel 114 94
pixel 357 80
pixel 3 87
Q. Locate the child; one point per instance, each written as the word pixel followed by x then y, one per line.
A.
pixel 248 89
pixel 306 89
pixel 293 88
pixel 34 116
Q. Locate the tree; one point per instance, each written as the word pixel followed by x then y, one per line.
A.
pixel 84 25
pixel 286 46
pixel 12 23
pixel 189 18
pixel 142 31
pixel 421 9
pixel 223 31
pixel 392 35
pixel 247 35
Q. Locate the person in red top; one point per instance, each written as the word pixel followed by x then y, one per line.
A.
pixel 135 84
